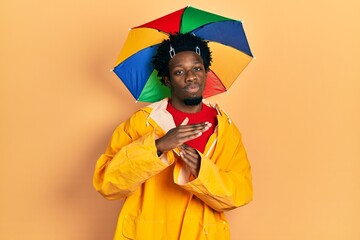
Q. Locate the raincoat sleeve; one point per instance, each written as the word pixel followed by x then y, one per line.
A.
pixel 130 159
pixel 224 181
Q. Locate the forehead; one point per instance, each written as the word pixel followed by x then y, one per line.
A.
pixel 186 57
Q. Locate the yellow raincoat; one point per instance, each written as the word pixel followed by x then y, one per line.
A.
pixel 162 200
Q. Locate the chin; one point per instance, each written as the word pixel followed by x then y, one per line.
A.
pixel 194 101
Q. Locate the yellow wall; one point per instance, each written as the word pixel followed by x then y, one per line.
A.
pixel 297 105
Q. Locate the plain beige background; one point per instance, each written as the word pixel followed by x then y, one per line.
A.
pixel 297 105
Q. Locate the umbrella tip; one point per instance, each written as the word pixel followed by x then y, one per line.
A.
pixel 111 70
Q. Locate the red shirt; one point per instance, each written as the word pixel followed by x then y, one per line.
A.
pixel 207 114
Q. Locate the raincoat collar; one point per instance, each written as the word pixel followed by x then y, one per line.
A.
pixel 158 113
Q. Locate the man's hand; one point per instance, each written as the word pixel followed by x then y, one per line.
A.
pixel 177 137
pixel 181 134
pixel 191 158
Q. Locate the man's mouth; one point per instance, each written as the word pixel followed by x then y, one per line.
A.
pixel 192 88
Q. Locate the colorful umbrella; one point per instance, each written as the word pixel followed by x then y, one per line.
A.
pixel 227 41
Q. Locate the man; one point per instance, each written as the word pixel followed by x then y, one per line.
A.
pixel 179 163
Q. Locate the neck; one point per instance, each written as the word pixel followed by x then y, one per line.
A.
pixel 181 106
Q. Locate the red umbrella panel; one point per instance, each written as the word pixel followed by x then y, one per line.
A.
pixel 226 38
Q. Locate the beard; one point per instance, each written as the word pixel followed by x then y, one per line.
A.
pixel 193 101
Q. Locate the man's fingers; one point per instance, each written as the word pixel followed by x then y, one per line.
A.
pixel 194 127
pixel 191 158
pixel 189 132
pixel 181 134
pixel 184 132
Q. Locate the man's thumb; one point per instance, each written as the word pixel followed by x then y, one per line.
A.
pixel 185 121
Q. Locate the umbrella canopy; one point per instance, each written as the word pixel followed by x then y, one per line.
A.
pixel 226 39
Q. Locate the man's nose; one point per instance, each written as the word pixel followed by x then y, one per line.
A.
pixel 190 76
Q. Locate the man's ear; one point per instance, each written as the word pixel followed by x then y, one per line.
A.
pixel 167 81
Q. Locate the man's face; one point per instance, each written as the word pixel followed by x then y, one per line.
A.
pixel 187 77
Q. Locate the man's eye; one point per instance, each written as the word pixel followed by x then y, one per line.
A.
pixel 197 68
pixel 179 72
